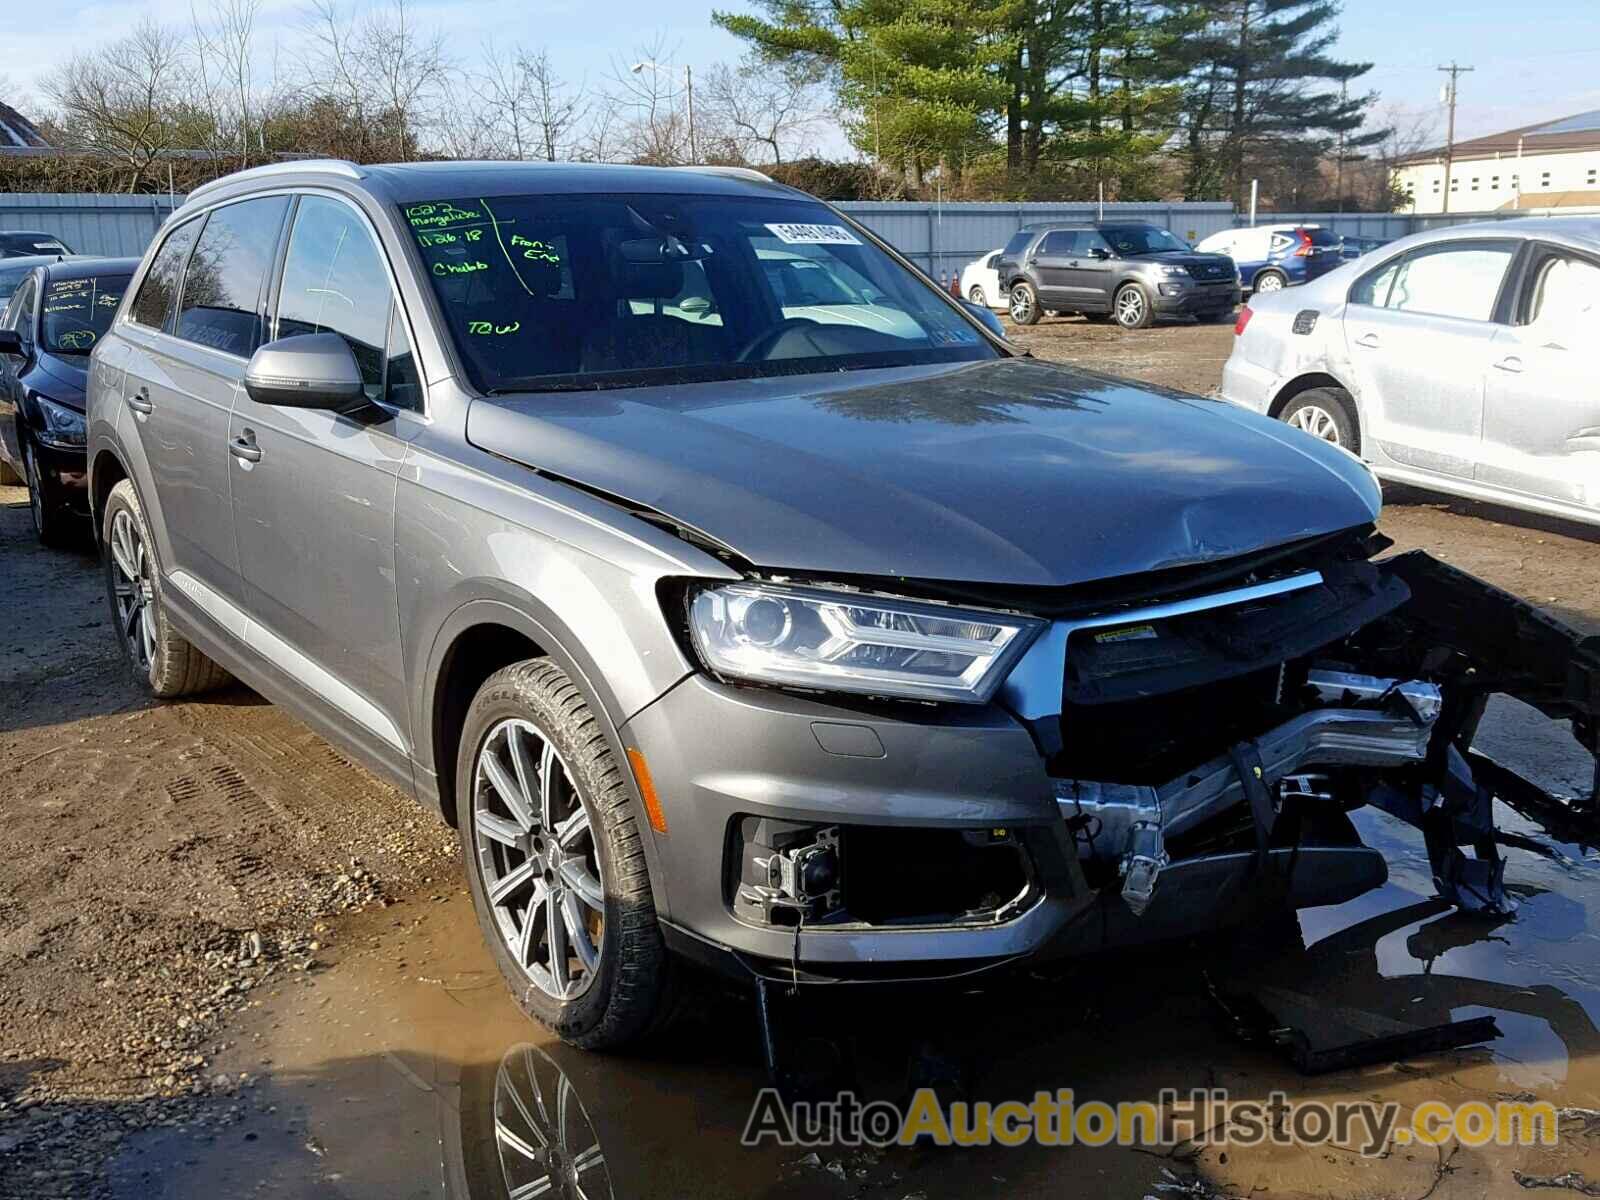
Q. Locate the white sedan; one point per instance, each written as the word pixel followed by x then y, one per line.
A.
pixel 1460 360
pixel 980 282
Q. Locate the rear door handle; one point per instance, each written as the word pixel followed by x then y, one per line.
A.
pixel 244 448
pixel 1510 363
pixel 1368 341
pixel 140 401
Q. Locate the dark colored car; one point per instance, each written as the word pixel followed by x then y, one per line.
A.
pixel 49 326
pixel 19 243
pixel 1355 247
pixel 1129 272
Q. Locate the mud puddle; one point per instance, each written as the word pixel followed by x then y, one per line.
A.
pixel 402 1069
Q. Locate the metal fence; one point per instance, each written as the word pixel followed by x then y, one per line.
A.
pixel 944 238
pixel 937 237
pixel 90 222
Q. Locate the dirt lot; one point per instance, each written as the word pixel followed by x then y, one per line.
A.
pixel 232 963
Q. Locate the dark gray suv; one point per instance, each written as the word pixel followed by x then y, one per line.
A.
pixel 741 599
pixel 1129 272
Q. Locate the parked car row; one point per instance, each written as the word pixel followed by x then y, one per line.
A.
pixel 1131 272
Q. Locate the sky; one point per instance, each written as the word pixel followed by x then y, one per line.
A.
pixel 1534 60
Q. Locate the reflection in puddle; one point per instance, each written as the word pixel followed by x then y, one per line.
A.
pixel 547 1145
pixel 405 1071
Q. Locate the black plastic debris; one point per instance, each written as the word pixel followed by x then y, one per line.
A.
pixel 1318 1038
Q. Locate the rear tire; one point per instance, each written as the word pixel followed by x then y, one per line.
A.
pixel 977 297
pixel 1025 308
pixel 1131 307
pixel 1325 413
pixel 162 660
pixel 603 981
pixel 1271 281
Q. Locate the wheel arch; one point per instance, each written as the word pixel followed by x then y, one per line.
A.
pixel 106 470
pixel 1305 383
pixel 477 639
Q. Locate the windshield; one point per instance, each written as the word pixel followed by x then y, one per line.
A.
pixel 1133 240
pixel 78 311
pixel 594 291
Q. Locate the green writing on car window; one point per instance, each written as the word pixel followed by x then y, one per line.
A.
pixel 441 216
pixel 460 268
pixel 490 329
pixel 76 339
pixel 535 251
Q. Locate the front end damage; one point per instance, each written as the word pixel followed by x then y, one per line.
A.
pixel 1206 751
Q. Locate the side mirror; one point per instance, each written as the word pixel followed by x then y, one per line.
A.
pixel 310 370
pixel 1099 252
pixel 10 341
pixel 986 316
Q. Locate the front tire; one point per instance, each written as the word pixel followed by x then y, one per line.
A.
pixel 163 662
pixel 1131 307
pixel 55 526
pixel 1025 308
pixel 1325 413
pixel 555 861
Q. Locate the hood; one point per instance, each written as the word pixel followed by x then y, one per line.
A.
pixel 62 379
pixel 1001 472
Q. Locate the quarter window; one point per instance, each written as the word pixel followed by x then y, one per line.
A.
pixel 1566 300
pixel 222 287
pixel 157 300
pixel 335 281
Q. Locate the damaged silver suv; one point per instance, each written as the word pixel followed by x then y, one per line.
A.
pixel 742 598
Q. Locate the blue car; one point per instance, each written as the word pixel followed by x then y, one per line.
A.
pixel 1271 257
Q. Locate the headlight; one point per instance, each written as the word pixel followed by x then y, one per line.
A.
pixel 1175 272
pixel 848 642
pixel 63 427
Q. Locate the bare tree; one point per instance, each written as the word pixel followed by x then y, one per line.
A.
pixel 116 101
pixel 536 114
pixel 763 111
pixel 558 111
pixel 222 61
pixel 387 73
pixel 646 97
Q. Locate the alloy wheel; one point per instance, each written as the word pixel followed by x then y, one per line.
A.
pixel 133 588
pixel 1130 306
pixel 547 1144
pixel 540 865
pixel 1021 305
pixel 976 295
pixel 1270 283
pixel 1318 422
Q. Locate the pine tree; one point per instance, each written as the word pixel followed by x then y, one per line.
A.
pixel 1252 93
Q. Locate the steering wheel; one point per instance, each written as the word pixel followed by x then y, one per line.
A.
pixel 756 347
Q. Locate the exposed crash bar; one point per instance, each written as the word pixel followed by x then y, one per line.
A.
pixel 1135 818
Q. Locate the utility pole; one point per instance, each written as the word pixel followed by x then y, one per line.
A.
pixel 1450 135
pixel 1338 167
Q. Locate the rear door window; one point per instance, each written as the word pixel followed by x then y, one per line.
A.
pixel 1059 243
pixel 223 285
pixel 157 301
pixel 1451 280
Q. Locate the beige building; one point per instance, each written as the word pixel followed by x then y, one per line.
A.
pixel 1554 164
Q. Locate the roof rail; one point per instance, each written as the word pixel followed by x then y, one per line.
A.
pixel 291 166
pixel 730 172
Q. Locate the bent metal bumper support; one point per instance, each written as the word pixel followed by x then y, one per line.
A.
pixel 1136 819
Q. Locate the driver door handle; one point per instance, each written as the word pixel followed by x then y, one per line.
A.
pixel 1510 363
pixel 1368 341
pixel 244 448
pixel 140 401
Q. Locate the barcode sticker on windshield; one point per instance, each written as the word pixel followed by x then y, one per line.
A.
pixel 814 235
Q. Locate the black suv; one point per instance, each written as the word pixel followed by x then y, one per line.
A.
pixel 1124 271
